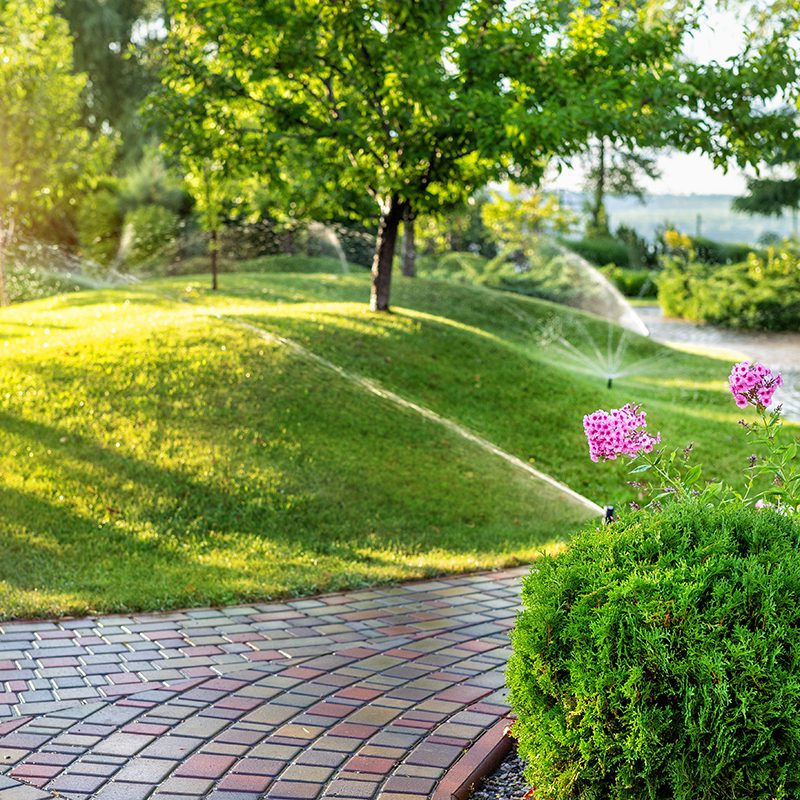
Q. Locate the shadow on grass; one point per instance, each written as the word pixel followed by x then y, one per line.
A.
pixel 167 527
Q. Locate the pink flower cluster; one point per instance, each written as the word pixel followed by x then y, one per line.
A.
pixel 752 382
pixel 619 432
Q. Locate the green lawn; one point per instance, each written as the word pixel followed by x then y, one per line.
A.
pixel 156 455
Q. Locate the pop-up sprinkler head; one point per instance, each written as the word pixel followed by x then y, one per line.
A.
pixel 608 517
pixel 610 383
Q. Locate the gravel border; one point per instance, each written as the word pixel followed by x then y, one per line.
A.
pixel 506 783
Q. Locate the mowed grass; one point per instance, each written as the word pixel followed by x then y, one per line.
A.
pixel 155 456
pixel 483 359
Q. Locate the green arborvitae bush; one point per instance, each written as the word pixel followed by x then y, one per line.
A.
pixel 659 657
pixel 710 251
pixel 632 282
pixel 601 250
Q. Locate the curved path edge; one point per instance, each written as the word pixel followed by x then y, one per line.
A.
pixel 379 694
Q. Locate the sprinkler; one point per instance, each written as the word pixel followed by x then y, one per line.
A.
pixel 610 384
pixel 608 515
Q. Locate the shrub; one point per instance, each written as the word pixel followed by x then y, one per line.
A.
pixel 631 282
pixel 99 225
pixel 641 253
pixel 460 266
pixel 600 250
pixel 29 283
pixel 712 252
pixel 757 295
pixel 152 231
pixel 657 658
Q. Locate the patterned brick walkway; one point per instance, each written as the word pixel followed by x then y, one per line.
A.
pixel 368 694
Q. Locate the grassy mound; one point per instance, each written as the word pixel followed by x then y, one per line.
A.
pixel 492 362
pixel 156 454
pixel 155 457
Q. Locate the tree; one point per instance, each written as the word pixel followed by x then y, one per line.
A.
pixel 519 216
pixel 44 153
pixel 210 185
pixel 772 196
pixel 111 42
pixel 420 104
pixel 614 171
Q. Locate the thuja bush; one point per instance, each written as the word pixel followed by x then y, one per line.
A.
pixel 659 656
pixel 761 293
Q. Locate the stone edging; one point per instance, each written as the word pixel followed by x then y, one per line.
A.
pixel 480 761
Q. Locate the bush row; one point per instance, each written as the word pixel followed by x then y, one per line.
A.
pixel 757 294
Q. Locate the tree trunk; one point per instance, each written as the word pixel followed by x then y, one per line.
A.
pixel 3 285
pixel 391 217
pixel 599 218
pixel 6 234
pixel 213 251
pixel 409 262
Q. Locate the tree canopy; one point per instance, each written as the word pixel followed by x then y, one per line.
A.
pixel 416 105
pixel 44 152
pixel 111 46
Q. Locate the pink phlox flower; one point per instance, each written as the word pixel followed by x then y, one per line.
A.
pixel 753 382
pixel 782 509
pixel 621 431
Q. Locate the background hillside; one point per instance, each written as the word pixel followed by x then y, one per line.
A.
pixel 717 220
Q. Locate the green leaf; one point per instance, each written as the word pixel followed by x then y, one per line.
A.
pixel 693 475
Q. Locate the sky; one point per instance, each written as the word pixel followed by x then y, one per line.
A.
pixel 719 38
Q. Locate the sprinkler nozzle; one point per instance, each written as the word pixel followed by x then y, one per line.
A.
pixel 610 384
pixel 608 517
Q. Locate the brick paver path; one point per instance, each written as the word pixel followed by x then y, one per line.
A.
pixel 368 694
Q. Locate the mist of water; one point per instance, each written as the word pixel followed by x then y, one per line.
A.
pixel 325 235
pixel 589 348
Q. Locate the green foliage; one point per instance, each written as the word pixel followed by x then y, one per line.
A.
pixel 632 282
pixel 641 253
pixel 770 196
pixel 655 658
pixel 31 283
pixel 416 109
pixel 460 230
pixel 461 267
pixel 711 252
pixel 99 222
pixel 151 231
pixel 539 270
pixel 600 250
pixel 44 153
pixel 511 221
pixel 759 294
pixel 116 62
pixel 150 180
